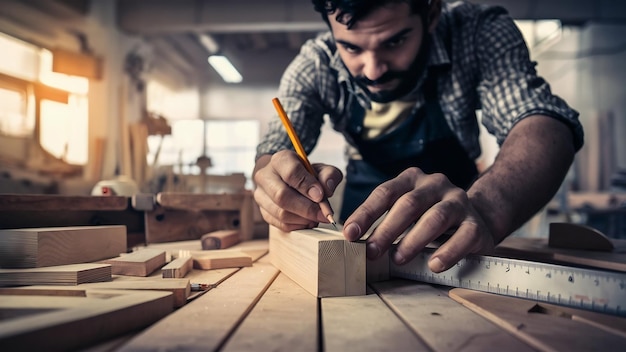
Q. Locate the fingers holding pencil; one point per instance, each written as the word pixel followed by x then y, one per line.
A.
pixel 295 140
pixel 288 194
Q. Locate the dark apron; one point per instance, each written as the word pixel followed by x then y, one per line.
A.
pixel 423 140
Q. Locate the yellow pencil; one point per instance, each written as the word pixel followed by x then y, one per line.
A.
pixel 324 204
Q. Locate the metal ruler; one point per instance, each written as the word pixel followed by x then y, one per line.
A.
pixel 590 289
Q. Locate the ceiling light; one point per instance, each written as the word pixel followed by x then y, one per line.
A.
pixel 222 65
pixel 208 43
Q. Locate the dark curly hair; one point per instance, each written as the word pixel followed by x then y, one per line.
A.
pixel 349 12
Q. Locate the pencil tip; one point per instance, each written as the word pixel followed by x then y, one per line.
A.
pixel 332 221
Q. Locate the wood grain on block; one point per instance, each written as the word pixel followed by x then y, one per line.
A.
pixel 220 239
pixel 140 263
pixel 71 274
pixel 177 268
pixel 50 246
pixel 535 324
pixel 42 323
pixel 320 260
pixel 220 259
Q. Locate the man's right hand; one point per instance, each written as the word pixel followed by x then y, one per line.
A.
pixel 288 195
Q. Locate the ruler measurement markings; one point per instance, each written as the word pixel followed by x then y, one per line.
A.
pixel 595 290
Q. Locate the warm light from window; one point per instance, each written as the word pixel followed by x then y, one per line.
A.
pixel 224 68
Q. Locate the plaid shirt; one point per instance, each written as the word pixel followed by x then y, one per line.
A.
pixel 481 60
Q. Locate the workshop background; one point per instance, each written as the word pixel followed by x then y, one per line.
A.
pixel 119 96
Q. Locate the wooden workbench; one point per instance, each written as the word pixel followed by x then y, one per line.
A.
pixel 258 308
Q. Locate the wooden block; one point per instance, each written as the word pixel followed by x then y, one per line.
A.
pixel 50 246
pixel 71 274
pixel 220 239
pixel 220 259
pixel 177 268
pixel 42 323
pixel 320 260
pixel 140 263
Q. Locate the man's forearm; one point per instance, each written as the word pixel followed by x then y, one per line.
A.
pixel 528 171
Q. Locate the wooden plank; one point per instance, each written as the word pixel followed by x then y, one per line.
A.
pixel 284 319
pixel 207 322
pixel 140 263
pixel 197 202
pixel 44 323
pixel 40 203
pixel 442 323
pixel 320 261
pixel 538 249
pixel 50 246
pixel 343 317
pixel 177 268
pixel 180 288
pixel 71 274
pixel 547 332
pixel 220 239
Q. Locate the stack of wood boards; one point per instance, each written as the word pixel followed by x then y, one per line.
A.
pixel 71 274
pixel 49 246
pixel 59 255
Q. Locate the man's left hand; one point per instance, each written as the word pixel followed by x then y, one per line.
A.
pixel 435 206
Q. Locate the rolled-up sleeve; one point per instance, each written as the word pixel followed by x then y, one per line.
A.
pixel 510 89
pixel 299 94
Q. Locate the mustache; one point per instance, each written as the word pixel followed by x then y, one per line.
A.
pixel 386 77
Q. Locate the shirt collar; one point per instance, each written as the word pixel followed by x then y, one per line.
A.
pixel 438 48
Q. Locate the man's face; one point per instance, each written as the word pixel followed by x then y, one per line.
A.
pixel 380 48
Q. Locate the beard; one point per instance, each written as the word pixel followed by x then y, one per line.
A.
pixel 407 78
